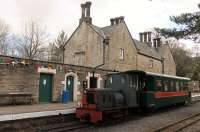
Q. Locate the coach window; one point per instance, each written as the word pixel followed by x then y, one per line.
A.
pixel 159 85
pixel 185 86
pixel 177 86
pixel 181 86
pixel 166 86
pixel 172 86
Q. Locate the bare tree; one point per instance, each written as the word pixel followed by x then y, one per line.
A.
pixel 56 49
pixel 4 31
pixel 32 41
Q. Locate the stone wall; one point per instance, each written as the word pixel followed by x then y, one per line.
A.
pixel 84 48
pixel 25 78
pixel 169 64
pixel 148 64
pixel 121 39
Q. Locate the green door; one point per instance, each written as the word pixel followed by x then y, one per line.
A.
pixel 70 86
pixel 45 90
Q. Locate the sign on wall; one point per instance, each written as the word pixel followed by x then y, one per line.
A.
pixel 46 70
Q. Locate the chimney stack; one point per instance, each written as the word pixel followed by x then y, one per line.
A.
pixel 116 20
pixel 85 8
pixel 156 42
pixel 145 37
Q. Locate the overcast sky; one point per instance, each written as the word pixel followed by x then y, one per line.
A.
pixel 56 15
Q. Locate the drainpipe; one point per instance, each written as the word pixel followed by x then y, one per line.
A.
pixel 105 42
pixel 163 65
pixel 63 60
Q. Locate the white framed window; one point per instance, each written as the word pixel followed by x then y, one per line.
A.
pixel 121 54
pixel 150 63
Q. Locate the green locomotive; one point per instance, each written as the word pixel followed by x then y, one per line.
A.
pixel 130 90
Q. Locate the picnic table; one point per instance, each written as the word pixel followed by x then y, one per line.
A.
pixel 14 95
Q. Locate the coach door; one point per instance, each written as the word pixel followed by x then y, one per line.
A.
pixel 45 88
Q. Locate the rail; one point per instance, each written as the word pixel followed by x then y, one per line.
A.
pixel 63 127
pixel 180 124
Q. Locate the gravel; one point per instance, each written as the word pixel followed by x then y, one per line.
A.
pixel 149 121
pixel 193 128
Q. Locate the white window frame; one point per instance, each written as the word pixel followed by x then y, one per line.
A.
pixel 121 54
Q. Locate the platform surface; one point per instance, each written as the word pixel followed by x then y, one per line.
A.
pixel 195 94
pixel 15 112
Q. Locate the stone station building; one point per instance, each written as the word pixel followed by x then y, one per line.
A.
pixel 90 53
pixel 112 47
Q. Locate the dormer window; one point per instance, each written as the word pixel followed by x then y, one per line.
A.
pixel 121 54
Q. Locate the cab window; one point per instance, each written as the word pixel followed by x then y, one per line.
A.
pixel 134 82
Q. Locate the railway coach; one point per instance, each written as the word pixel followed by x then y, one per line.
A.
pixel 126 91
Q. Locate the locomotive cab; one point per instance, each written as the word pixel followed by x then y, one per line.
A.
pixel 130 84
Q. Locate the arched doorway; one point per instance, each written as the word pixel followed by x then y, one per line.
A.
pixel 71 84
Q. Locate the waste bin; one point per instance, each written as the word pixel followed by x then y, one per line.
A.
pixel 65 96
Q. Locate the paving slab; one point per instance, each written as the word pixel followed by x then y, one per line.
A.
pixel 37 110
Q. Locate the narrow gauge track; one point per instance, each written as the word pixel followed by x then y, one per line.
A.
pixel 63 127
pixel 180 125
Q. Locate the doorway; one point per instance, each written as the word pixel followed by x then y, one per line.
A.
pixel 45 88
pixel 93 82
pixel 70 86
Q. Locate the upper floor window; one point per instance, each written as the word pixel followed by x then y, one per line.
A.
pixel 121 54
pixel 150 63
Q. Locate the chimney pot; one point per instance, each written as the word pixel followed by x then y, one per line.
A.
pixel 145 37
pixel 83 7
pixel 158 42
pixel 88 5
pixel 121 19
pixel 154 43
pixel 112 21
pixel 141 37
pixel 149 37
pixel 116 20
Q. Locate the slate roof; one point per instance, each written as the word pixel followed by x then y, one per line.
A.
pixel 142 48
pixel 98 30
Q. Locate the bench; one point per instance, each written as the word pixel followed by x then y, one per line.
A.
pixel 15 95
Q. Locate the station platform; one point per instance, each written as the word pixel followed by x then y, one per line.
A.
pixel 16 112
pixel 195 94
pixel 195 97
